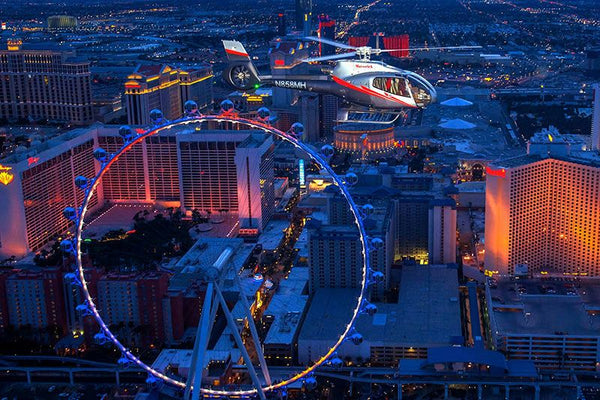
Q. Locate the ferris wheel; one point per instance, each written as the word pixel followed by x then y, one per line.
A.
pixel 192 387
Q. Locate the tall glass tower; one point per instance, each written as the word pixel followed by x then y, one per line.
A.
pixel 304 16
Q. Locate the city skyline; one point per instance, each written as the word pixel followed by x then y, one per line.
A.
pixel 349 200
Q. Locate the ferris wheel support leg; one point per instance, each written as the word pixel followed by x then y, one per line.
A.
pixel 194 379
pixel 255 339
pixel 238 339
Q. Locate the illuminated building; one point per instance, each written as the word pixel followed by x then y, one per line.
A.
pixel 36 299
pixel 286 59
pixel 126 180
pixel 256 196
pixel 326 31
pixel 47 85
pixel 427 315
pixel 328 114
pixel 61 22
pixel 442 231
pixel 551 322
pixel 210 177
pixel 418 200
pixel 195 170
pixel 73 297
pixel 283 318
pixel 163 169
pixel 364 140
pixel 167 89
pixel 318 113
pixel 309 116
pixel 335 253
pixel 301 174
pixel 334 256
pixel 358 41
pixel 472 169
pixel 248 102
pixel 40 188
pixel 413 234
pixel 304 16
pixel 397 42
pixel 281 27
pixel 542 209
pixel 197 85
pixel 596 120
pixel 152 87
pixel 135 301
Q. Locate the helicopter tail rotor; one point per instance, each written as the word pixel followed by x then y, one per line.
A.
pixel 240 73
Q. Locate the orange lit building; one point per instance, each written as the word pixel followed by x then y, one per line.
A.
pixel 364 140
pixel 543 210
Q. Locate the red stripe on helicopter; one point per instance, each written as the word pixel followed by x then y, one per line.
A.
pixel 370 92
pixel 236 53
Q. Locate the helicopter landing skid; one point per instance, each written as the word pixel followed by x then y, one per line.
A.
pixel 370 116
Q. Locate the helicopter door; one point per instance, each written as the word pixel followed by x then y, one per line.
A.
pixel 394 85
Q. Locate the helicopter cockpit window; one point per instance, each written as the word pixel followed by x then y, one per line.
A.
pixel 392 85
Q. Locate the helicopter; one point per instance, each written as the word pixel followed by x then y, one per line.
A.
pixel 359 81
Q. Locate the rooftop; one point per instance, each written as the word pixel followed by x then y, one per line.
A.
pixel 287 307
pixel 457 123
pixel 272 234
pixel 203 254
pixel 577 158
pixel 181 359
pixel 471 187
pixel 45 141
pixel 150 70
pixel 456 102
pixel 427 313
pixel 360 127
pixel 546 306
pixel 253 141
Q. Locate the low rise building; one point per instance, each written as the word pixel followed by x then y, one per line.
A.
pixel 133 305
pixel 427 315
pixel 284 317
pixel 551 321
pixel 186 290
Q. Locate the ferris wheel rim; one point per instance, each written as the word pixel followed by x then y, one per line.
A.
pixel 224 117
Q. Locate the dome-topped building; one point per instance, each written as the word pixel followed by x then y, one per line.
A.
pixel 364 140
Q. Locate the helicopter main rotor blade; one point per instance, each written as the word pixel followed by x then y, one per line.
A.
pixel 429 48
pixel 331 42
pixel 332 57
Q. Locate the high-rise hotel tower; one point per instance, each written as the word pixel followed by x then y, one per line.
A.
pixel 543 209
pixel 208 170
pixel 44 84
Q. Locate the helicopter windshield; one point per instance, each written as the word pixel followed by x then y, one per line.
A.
pixel 422 91
pixel 392 85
